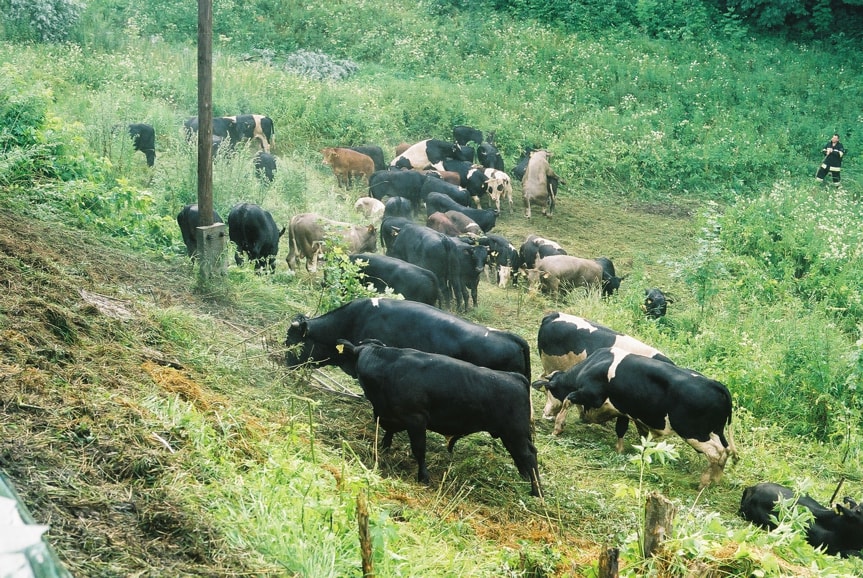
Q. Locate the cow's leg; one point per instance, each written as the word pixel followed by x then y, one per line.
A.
pixel 620 428
pixel 417 435
pixel 560 420
pixel 387 442
pixel 526 207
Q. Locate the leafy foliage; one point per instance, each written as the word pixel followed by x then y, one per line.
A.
pixel 41 20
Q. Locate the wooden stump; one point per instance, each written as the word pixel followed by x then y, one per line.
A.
pixel 658 522
pixel 608 563
pixel 365 536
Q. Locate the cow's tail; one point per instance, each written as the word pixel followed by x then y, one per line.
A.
pixel 729 428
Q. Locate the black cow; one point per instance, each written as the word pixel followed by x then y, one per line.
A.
pixel 189 219
pixel 144 140
pixel 471 262
pixel 424 154
pixel 430 250
pixel 565 340
pixel 256 235
pixel 489 157
pixel 521 164
pixel 390 227
pixel 503 258
pixel 401 323
pixel 456 166
pixel 398 207
pixel 265 165
pixel 536 247
pixel 224 127
pixel 462 135
pixel 412 282
pixel 610 281
pixel 838 530
pixel 465 153
pixel 655 303
pixel 415 391
pixel 437 185
pixel 397 183
pixel 375 152
pixel 660 397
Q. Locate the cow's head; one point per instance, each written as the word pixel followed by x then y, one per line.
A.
pixel 655 303
pixel 302 347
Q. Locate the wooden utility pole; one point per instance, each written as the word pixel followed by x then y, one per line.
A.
pixel 211 238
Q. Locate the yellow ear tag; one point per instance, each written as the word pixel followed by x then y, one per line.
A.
pixel 340 348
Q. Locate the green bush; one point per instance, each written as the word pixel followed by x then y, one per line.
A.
pixel 41 20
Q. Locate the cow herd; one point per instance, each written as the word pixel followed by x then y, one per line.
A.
pixel 424 368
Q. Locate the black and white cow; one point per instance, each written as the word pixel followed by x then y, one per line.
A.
pixel 503 258
pixel 375 152
pixel 412 282
pixel 660 397
pixel 565 340
pixel 430 250
pixel 265 165
pixel 839 530
pixel 250 127
pixel 462 135
pixel 256 235
pixel 144 140
pixel 655 303
pixel 424 154
pixel 416 391
pixel 224 127
pixel 189 220
pixel 401 323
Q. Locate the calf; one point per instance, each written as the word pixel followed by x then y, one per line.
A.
pixel 838 530
pixel 370 208
pixel 660 397
pixel 415 391
pixel 144 140
pixel 464 224
pixel 251 127
pixel 503 258
pixel 565 340
pixel 564 272
pixel 256 235
pixel 265 166
pixel 308 234
pixel 439 222
pixel 189 220
pixel 439 202
pixel 347 163
pixel 499 187
pixel 403 324
pixel 412 282
pixel 655 303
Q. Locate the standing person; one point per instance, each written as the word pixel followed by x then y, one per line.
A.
pixel 833 152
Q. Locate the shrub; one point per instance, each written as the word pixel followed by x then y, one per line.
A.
pixel 42 20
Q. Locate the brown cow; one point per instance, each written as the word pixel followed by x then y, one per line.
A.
pixel 535 184
pixel 402 147
pixel 442 224
pixel 556 270
pixel 463 223
pixel 308 235
pixel 347 163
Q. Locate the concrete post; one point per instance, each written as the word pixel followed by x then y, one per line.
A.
pixel 212 250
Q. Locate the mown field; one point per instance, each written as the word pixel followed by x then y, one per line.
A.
pixel 148 419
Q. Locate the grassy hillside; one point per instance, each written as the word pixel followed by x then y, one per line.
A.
pixel 149 421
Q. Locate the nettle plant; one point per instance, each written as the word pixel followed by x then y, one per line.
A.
pixel 43 20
